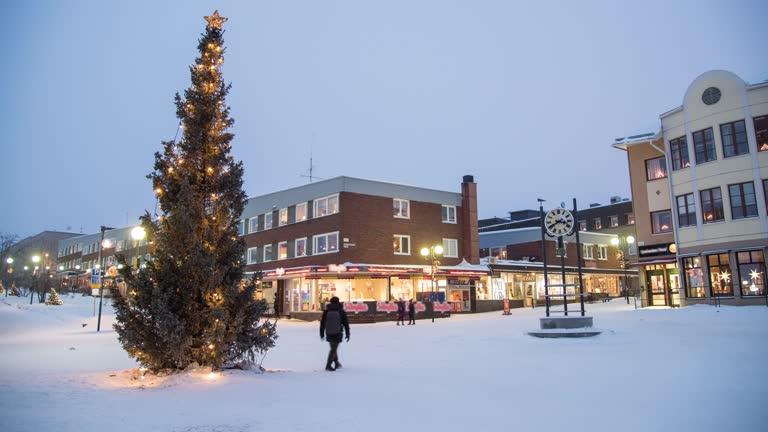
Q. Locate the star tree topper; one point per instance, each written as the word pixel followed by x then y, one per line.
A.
pixel 215 20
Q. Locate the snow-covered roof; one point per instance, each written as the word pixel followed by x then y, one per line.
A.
pixel 624 142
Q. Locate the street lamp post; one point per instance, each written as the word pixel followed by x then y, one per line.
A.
pixel 101 279
pixel 623 245
pixel 432 253
pixel 9 260
pixel 36 272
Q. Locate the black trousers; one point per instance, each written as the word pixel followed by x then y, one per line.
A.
pixel 411 318
pixel 333 356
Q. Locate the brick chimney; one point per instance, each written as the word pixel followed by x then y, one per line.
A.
pixel 470 239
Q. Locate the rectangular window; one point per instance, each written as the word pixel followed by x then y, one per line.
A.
pixel 253 224
pixel 401 208
pixel 326 206
pixel 449 214
pixel 720 275
pixel 602 252
pixel 300 247
pixel 598 224
pixel 694 278
pixel 252 256
pixel 283 217
pixel 630 219
pixel 587 251
pixel 613 221
pixel 582 225
pixel 712 205
pixel 765 192
pixel 734 138
pixel 678 148
pixel 241 228
pixel 655 168
pixel 268 253
pixel 402 244
pixel 325 243
pixel 450 248
pixel 761 132
pixel 282 250
pixel 301 212
pixel 268 220
pixel 499 252
pixel 751 266
pixel 743 200
pixel 704 145
pixel 686 210
pixel 661 221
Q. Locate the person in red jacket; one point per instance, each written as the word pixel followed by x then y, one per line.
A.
pixel 333 326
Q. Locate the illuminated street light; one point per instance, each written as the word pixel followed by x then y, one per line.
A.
pixel 9 260
pixel 138 233
pixel 35 259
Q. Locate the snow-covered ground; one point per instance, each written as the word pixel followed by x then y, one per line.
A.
pixel 694 369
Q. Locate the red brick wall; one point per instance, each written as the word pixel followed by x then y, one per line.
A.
pixel 367 222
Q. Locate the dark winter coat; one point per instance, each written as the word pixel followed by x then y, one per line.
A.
pixel 411 309
pixel 344 323
pixel 401 308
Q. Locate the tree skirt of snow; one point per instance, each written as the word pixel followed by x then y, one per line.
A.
pixel 693 369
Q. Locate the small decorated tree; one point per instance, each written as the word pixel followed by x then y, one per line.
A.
pixel 54 299
pixel 188 305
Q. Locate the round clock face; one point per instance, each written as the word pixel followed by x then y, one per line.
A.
pixel 558 222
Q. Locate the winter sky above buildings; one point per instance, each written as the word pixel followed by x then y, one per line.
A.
pixel 527 97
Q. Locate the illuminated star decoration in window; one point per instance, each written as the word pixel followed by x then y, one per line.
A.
pixel 755 276
pixel 215 20
pixel 725 277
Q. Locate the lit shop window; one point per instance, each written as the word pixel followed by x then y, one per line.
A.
pixel 751 273
pixel 401 244
pixel 326 206
pixel 694 278
pixel 720 275
pixel 401 208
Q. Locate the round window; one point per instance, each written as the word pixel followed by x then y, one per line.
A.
pixel 711 95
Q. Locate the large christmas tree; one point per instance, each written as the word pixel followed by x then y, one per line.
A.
pixel 189 304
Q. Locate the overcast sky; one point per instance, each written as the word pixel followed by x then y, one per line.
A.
pixel 526 96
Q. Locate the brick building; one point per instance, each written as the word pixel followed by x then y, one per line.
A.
pixel 360 240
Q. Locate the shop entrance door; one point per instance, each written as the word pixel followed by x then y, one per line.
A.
pixel 280 300
pixel 656 282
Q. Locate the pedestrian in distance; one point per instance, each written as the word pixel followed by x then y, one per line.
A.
pixel 333 326
pixel 411 312
pixel 401 312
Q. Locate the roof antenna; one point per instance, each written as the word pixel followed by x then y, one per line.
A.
pixel 311 175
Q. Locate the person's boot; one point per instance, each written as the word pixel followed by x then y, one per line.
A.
pixel 338 365
pixel 329 368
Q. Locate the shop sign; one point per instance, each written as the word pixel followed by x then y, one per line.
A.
pixel 386 307
pixel 441 307
pixel 656 250
pixel 458 281
pixel 356 307
pixel 337 268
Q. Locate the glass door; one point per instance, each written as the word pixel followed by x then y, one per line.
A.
pixel 657 287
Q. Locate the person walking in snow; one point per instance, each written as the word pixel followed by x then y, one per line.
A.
pixel 411 312
pixel 400 312
pixel 333 326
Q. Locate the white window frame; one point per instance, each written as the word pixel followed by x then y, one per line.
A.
pixel 271 220
pixel 449 207
pixel 602 252
pixel 248 259
pixel 326 235
pixel 399 214
pixel 401 236
pixel 612 218
pixel 280 214
pixel 304 206
pixel 583 225
pixel 253 225
pixel 587 247
pixel 447 248
pixel 327 200
pixel 279 245
pixel 295 249
pixel 596 221
pixel 264 253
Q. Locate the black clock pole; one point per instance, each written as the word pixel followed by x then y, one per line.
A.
pixel 544 258
pixel 578 255
pixel 561 246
